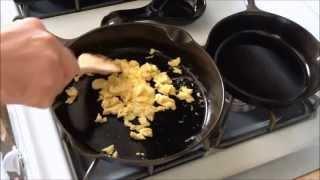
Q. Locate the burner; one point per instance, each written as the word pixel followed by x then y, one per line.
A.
pixel 240 106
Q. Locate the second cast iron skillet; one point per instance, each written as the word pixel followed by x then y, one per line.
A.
pixel 265 59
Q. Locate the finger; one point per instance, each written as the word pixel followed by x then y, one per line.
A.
pixel 60 83
pixel 69 64
pixel 32 22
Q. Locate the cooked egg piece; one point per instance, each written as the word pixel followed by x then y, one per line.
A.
pixel 165 101
pixel 115 154
pixel 144 122
pixel 185 94
pixel 77 77
pixel 100 119
pixel 175 62
pixel 152 51
pixel 108 150
pixel 137 136
pixel 166 89
pixel 177 70
pixel 72 93
pixel 70 100
pixel 162 78
pixel 149 71
pixel 147 132
pixel 149 57
pixel 98 84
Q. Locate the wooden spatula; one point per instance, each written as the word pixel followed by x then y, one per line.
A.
pixel 98 64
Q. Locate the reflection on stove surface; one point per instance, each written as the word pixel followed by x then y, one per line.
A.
pixel 239 106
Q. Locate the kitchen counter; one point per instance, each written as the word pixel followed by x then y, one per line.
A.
pixel 293 149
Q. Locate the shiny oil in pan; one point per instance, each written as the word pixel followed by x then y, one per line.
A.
pixel 172 130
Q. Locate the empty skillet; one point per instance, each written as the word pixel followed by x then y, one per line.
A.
pixel 175 132
pixel 265 59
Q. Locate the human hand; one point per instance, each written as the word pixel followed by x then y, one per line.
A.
pixel 35 66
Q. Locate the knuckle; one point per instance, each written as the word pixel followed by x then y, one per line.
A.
pixel 49 84
pixel 47 37
pixel 52 57
pixel 42 37
pixel 34 22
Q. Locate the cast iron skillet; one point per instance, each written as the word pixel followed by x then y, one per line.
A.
pixel 265 59
pixel 175 132
pixel 166 11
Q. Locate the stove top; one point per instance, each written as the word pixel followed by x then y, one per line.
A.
pixel 49 8
pixel 238 125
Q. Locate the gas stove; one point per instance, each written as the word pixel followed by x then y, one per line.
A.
pixel 240 123
pixel 238 144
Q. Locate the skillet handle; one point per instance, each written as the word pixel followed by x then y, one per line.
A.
pixel 123 16
pixel 251 6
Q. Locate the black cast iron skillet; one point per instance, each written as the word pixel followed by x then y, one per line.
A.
pixel 166 11
pixel 265 59
pixel 175 132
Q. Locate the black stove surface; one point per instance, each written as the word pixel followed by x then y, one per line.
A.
pixel 239 125
pixel 49 8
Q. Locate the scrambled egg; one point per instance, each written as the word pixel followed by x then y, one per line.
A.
pixel 130 95
pixel 115 154
pixel 152 51
pixel 110 151
pixel 162 78
pixel 175 62
pixel 149 71
pixel 137 136
pixel 185 94
pixel 177 70
pixel 77 77
pixel 165 101
pixel 72 93
pixel 166 89
pixel 100 119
